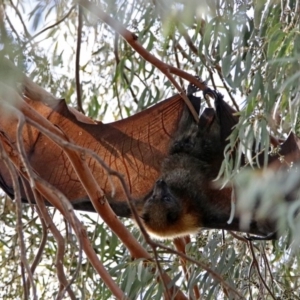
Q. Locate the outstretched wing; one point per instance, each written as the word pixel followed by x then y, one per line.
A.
pixel 134 147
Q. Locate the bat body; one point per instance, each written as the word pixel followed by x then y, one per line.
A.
pixel 184 198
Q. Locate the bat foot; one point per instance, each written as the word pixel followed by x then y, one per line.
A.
pixel 191 89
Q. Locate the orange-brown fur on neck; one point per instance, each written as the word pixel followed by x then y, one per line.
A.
pixel 186 224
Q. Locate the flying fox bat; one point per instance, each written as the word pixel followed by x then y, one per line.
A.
pixel 168 162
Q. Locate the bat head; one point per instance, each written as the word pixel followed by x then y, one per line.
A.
pixel 163 214
pixel 162 208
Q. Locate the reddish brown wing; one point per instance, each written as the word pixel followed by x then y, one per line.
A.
pixel 134 147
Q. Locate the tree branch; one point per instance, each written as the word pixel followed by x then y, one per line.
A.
pixel 131 38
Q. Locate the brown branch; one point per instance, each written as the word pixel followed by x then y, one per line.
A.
pixel 267 264
pixel 58 200
pixel 240 238
pixel 180 244
pixel 255 262
pixel 219 71
pixel 214 274
pixel 95 194
pixel 187 39
pixel 43 242
pixel 167 294
pixel 195 51
pixel 116 53
pixel 178 65
pixel 98 199
pixel 77 60
pixel 131 39
pixel 43 125
pixel 59 239
pixel 60 245
pixel 183 53
pixel 11 25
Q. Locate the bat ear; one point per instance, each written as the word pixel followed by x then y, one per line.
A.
pixel 224 112
pixel 291 146
pixel 290 150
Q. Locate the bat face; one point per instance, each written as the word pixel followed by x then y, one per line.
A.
pixel 165 214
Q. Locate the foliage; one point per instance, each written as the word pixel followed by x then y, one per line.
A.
pixel 249 50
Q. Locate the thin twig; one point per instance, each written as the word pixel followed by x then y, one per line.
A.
pixel 60 246
pixel 178 65
pixel 43 242
pixel 116 53
pixel 21 19
pixel 258 271
pixel 214 274
pixel 218 68
pixel 59 239
pixel 17 197
pixel 180 244
pixel 58 200
pixel 131 38
pixel 55 24
pixel 77 60
pixel 12 26
pixel 268 265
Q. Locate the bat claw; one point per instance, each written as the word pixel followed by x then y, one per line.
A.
pixel 191 89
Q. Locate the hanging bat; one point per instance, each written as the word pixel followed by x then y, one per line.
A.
pixel 167 159
pixel 184 199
